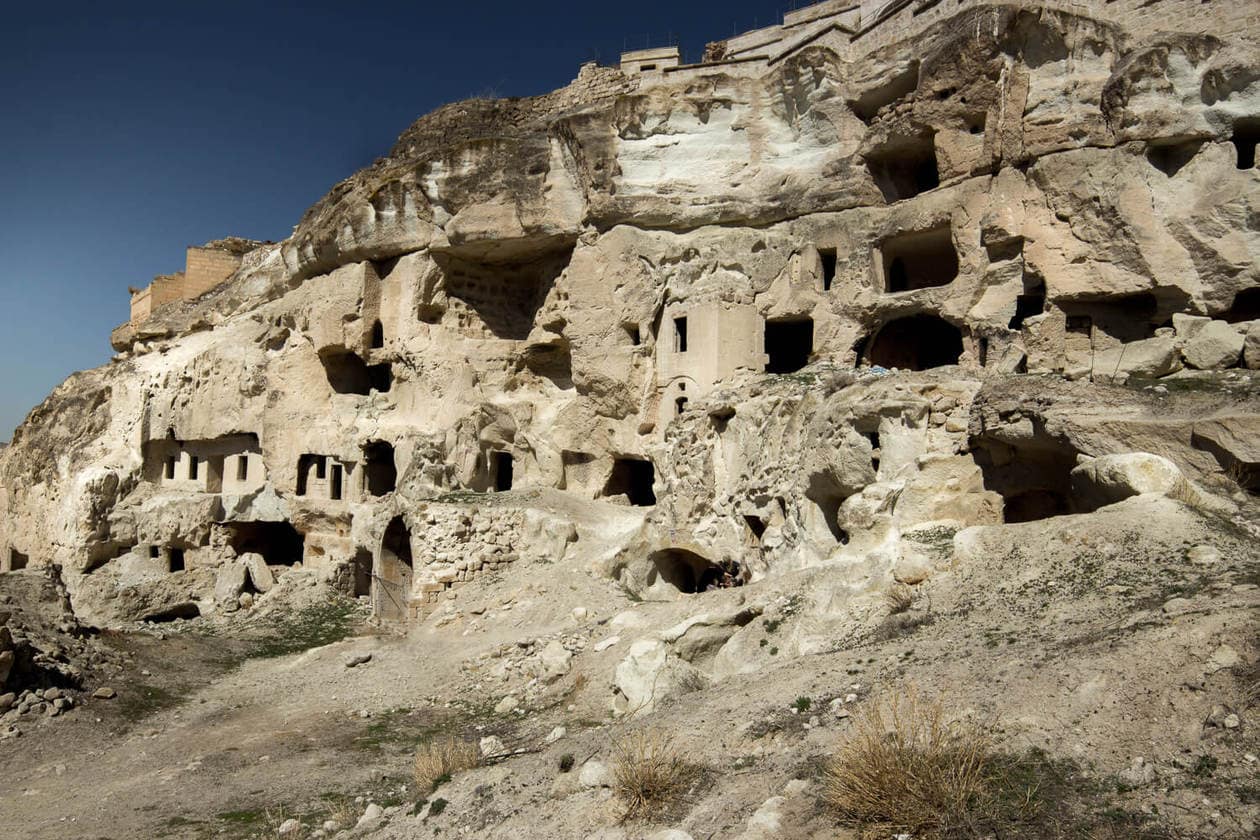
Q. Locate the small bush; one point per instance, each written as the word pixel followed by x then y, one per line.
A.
pixel 802 704
pixel 648 774
pixel 566 762
pixel 899 599
pixel 905 768
pixel 437 807
pixel 439 759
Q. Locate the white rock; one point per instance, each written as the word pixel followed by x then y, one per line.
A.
pixel 1204 555
pixel 595 774
pixel 289 827
pixel 506 705
pixel 605 644
pixel 259 572
pixel 491 746
pixel 555 735
pixel 555 661
pixel 371 814
pixel 1112 478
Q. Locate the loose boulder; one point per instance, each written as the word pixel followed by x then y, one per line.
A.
pixel 1217 345
pixel 1113 478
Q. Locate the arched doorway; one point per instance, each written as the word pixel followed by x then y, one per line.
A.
pixel 392 582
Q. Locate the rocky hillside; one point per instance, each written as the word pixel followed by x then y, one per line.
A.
pixel 905 350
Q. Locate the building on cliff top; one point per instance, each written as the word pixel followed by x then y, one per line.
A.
pixel 205 267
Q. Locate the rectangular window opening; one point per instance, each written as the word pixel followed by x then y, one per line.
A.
pixel 321 468
pixel 170 467
pixel 680 335
pixel 242 467
pixel 828 256
pixel 334 491
pixel 193 467
pixel 177 560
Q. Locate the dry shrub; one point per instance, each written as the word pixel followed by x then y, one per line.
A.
pixel 649 774
pixel 440 759
pixel 905 768
pixel 899 598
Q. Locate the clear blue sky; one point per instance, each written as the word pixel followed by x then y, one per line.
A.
pixel 131 130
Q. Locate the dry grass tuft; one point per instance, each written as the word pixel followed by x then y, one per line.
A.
pixel 907 769
pixel 440 759
pixel 1184 491
pixel 899 598
pixel 649 775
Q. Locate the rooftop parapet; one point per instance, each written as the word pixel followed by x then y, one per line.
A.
pixel 648 61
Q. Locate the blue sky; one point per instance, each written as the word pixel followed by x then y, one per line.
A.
pixel 132 130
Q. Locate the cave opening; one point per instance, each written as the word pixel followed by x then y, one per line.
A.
pixel 632 478
pixel 789 344
pixel 919 260
pixel 347 373
pixel 380 471
pixel 175 560
pixel 916 342
pixel 1246 307
pixel 377 339
pixel 279 543
pixel 686 572
pixel 1034 479
pixel 17 560
pixel 828 257
pixel 905 168
pixel 501 470
pixel 1169 156
pixel 1246 136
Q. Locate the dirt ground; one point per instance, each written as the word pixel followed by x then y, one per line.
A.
pixel 1093 643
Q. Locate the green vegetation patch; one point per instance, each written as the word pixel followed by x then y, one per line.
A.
pixel 312 626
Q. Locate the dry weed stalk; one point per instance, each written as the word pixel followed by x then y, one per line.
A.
pixel 648 773
pixel 441 758
pixel 905 767
pixel 899 598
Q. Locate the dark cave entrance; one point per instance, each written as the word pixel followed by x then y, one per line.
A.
pixel 632 478
pixel 789 344
pixel 279 543
pixel 380 473
pixel 917 342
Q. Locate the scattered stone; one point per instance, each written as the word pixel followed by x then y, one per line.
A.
pixel 507 705
pixel 371 814
pixel 492 746
pixel 555 735
pixel 595 774
pixel 104 693
pixel 260 575
pixel 358 659
pixel 1139 773
pixel 288 828
pixel 1204 555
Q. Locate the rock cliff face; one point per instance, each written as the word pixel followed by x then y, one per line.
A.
pixel 759 314
pixel 909 342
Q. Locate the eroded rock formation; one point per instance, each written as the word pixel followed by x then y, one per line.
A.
pixel 885 269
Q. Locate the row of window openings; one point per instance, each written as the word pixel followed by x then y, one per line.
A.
pixel 194 467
